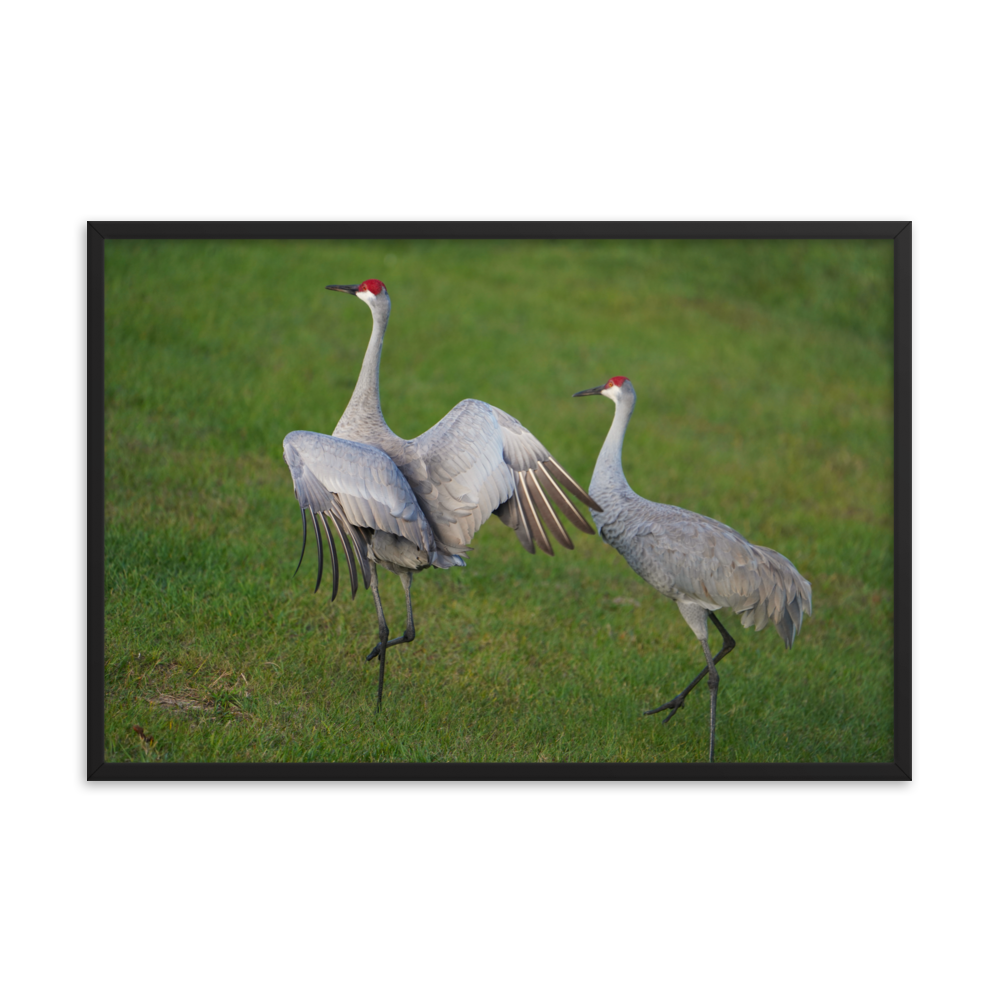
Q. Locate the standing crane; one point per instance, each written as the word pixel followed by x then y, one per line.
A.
pixel 700 563
pixel 410 505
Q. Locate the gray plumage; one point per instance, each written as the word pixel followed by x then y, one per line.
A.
pixel 698 562
pixel 409 505
pixel 693 559
pixel 333 474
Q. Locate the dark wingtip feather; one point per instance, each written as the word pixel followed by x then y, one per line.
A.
pixel 535 525
pixel 563 502
pixel 523 531
pixel 333 555
pixel 349 549
pixel 543 507
pixel 342 533
pixel 571 484
pixel 303 552
pixel 362 549
pixel 319 552
pixel 366 567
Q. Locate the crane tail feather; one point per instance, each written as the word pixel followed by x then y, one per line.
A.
pixel 794 611
pixel 786 628
pixel 760 616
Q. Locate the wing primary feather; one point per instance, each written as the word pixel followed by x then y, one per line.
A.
pixel 524 531
pixel 319 551
pixel 333 555
pixel 362 548
pixel 348 553
pixel 537 531
pixel 565 505
pixel 303 552
pixel 567 480
pixel 544 508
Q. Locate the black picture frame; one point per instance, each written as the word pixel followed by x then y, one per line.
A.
pixel 97 769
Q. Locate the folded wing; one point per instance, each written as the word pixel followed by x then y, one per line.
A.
pixel 716 567
pixel 355 486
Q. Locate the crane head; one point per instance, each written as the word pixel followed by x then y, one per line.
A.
pixel 374 294
pixel 369 290
pixel 613 388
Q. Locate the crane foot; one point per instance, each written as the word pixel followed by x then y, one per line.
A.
pixel 391 642
pixel 675 704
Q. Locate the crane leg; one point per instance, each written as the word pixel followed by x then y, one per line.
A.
pixel 677 703
pixel 410 634
pixel 383 635
pixel 713 687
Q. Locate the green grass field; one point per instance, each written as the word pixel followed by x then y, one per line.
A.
pixel 764 379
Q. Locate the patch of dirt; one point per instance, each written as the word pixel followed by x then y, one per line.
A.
pixel 182 702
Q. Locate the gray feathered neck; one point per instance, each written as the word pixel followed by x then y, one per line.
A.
pixel 362 419
pixel 608 471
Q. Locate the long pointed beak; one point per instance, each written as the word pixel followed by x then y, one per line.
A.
pixel 350 289
pixel 596 391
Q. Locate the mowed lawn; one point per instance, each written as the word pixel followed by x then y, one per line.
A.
pixel 764 379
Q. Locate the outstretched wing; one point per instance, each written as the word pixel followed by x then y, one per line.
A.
pixel 478 460
pixel 458 473
pixel 534 468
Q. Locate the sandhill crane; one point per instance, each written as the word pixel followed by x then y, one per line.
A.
pixel 700 563
pixel 409 505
